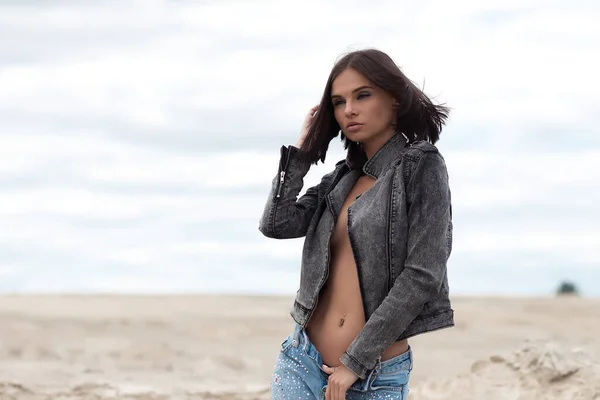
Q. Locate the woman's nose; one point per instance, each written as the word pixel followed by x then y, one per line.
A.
pixel 349 110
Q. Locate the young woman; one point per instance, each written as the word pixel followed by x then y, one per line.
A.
pixel 378 234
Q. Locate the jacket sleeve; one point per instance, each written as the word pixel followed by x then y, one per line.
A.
pixel 428 216
pixel 284 215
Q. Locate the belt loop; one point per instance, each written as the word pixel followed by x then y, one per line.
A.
pixel 378 364
pixel 305 339
pixel 373 374
pixel 296 336
pixel 369 379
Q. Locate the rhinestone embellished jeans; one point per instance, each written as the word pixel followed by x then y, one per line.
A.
pixel 298 374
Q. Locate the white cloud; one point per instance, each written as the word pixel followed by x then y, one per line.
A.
pixel 207 251
pixel 6 270
pixel 582 242
pixel 513 68
pixel 481 179
pixel 83 174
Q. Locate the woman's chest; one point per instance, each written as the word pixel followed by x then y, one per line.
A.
pixel 362 185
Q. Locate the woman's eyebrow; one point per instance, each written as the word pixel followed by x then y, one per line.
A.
pixel 354 91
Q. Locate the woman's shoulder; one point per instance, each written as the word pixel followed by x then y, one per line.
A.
pixel 415 152
pixel 422 146
pixel 420 150
pixel 419 155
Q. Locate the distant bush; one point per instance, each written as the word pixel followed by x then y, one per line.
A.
pixel 567 288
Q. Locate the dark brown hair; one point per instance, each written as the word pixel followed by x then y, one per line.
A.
pixel 417 117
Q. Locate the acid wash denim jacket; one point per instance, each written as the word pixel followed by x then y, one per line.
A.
pixel 400 231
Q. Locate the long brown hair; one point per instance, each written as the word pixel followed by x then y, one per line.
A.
pixel 416 116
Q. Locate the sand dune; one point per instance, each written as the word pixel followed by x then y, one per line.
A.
pixel 536 370
pixel 223 347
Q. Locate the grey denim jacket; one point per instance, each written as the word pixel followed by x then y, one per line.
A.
pixel 400 231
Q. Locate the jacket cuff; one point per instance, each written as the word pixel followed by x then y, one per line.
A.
pixel 354 365
pixel 294 158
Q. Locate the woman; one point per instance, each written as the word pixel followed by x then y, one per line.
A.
pixel 378 234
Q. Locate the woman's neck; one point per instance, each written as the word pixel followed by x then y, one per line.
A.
pixel 370 147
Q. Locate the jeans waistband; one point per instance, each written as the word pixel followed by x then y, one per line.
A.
pixel 301 340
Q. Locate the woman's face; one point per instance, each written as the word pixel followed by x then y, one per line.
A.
pixel 357 101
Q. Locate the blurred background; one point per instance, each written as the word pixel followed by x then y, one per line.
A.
pixel 138 139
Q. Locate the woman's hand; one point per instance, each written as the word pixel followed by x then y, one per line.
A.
pixel 340 379
pixel 306 125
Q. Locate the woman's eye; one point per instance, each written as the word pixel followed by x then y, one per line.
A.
pixel 360 96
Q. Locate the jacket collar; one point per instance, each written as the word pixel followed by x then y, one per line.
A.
pixel 381 160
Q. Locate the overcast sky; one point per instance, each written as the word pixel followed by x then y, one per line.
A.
pixel 138 139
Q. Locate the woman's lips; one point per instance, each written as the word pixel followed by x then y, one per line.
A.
pixel 354 127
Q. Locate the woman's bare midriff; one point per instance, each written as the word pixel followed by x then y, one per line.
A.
pixel 339 316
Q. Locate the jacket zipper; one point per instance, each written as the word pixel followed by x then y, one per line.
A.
pixel 326 272
pixel 279 186
pixel 281 179
pixel 358 275
pixel 328 255
pixel 321 283
pixel 282 172
pixel 389 240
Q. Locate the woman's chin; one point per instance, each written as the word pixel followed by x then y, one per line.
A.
pixel 354 136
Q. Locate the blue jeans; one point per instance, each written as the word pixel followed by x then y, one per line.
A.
pixel 298 374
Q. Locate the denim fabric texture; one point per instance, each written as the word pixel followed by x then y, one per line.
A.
pixel 298 374
pixel 400 231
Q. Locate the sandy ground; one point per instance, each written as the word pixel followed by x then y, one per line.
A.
pixel 224 347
